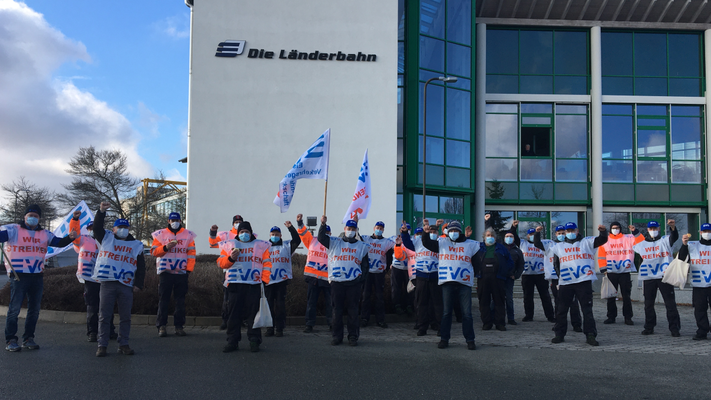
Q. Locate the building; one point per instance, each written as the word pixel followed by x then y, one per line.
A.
pixel 571 110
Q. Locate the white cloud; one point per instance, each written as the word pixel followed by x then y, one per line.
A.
pixel 177 26
pixel 44 120
pixel 150 120
pixel 174 175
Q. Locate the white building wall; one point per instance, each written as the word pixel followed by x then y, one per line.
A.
pixel 250 119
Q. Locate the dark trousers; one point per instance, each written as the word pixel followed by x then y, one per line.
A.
pixel 177 285
pixel 701 298
pixel 374 283
pixel 117 294
pixel 490 288
pixel 529 283
pixel 30 286
pixel 650 296
pixel 566 296
pixel 276 296
pixel 346 296
pixel 312 293
pixel 399 279
pixel 624 282
pixel 244 304
pixel 508 298
pixel 92 292
pixel 575 319
pixel 429 300
pixel 452 291
pixel 225 305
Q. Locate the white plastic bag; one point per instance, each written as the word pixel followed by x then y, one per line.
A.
pixel 410 287
pixel 607 291
pixel 263 319
pixel 676 273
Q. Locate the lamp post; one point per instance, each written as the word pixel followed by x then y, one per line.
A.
pixel 445 79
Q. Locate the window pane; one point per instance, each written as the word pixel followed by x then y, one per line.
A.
pixel 562 218
pixel 435 175
pixel 571 191
pixel 536 84
pixel 622 218
pixel 431 54
pixel 620 109
pixel 400 151
pixel 502 108
pixel 616 53
pixel 651 110
pixel 501 169
pixel 571 136
pixel 536 52
pixel 401 20
pixel 651 143
pixel 617 86
pixel 502 83
pixel 435 150
pixel 459 60
pixel 690 111
pixel 650 86
pixel 616 136
pixel 684 87
pixel 451 205
pixel 571 171
pixel 501 135
pixel 652 193
pixel 684 54
pixel 536 191
pixel 458 154
pixel 432 18
pixel 461 83
pixel 400 115
pixel 459 21
pixel 650 54
pixel 536 121
pixel 686 171
pixel 617 192
pixel 458 177
pixel 401 57
pixel 435 109
pixel 431 203
pixel 458 114
pixel 536 170
pixel 616 171
pixel 571 55
pixel 571 85
pixel 660 122
pixel 536 108
pixel 570 109
pixel 499 190
pixel 502 51
pixel 686 193
pixel 399 179
pixel 398 202
pixel 652 171
pixel 686 138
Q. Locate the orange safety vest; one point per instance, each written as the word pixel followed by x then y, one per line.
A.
pixel 178 260
pixel 26 249
pixel 317 259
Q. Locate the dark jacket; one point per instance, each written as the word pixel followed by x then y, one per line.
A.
pixel 505 265
pixel 100 232
pixel 684 251
pixel 514 250
pixel 295 239
pixel 325 240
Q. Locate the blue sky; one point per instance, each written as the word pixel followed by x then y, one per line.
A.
pixel 86 72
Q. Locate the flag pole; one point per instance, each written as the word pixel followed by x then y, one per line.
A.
pixel 325 192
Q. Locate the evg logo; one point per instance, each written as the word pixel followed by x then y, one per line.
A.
pixel 230 48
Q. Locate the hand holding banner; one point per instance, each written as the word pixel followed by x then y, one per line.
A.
pixel 361 199
pixel 63 228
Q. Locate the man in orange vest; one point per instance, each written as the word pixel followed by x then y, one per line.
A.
pixel 174 248
pixel 315 275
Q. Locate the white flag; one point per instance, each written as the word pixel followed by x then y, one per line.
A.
pixel 361 199
pixel 63 228
pixel 313 164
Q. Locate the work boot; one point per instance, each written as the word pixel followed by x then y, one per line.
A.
pixel 501 328
pixel 527 319
pixel 29 344
pixel 487 327
pixel 352 341
pixel 422 332
pixel 269 332
pixel 609 321
pixel 628 321
pixel 557 339
pixel 113 336
pixel 180 332
pixel 101 351
pixel 513 322
pixel 471 345
pixel 336 342
pixel 308 329
pixel 676 334
pixel 162 332
pixel 230 348
pixel 223 326
pixel 382 324
pixel 254 347
pixel 92 338
pixel 125 350
pixel 647 331
pixel 699 337
pixel 13 346
pixel 279 333
pixel 363 322
pixel 575 328
pixel 591 340
pixel 443 344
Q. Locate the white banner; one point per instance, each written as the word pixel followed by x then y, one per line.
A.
pixel 313 164
pixel 361 199
pixel 63 229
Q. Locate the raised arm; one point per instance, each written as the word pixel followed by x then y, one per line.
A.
pixel 537 238
pixel 323 238
pixel 514 232
pixel 295 239
pixel 684 251
pixel 674 235
pixel 212 238
pixel 99 231
pixel 602 237
pixel 432 245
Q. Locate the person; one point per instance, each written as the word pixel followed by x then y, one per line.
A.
pixel 456 272
pixel 527 151
pixel 519 265
pixel 533 276
pixel 700 270
pixel 656 253
pixel 279 275
pixel 494 265
pixel 552 268
pixel 617 258
pixel 174 249
pixel 121 269
pixel 398 283
pixel 348 268
pixel 577 255
pixel 380 255
pixel 28 263
pixel 316 276
pixel 214 239
pixel 86 248
pixel 428 292
pixel 246 261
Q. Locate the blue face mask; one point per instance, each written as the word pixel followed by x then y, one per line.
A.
pixel 530 238
pixel 561 238
pixel 454 235
pixel 571 235
pixel 433 236
pixel 244 237
pixel 32 221
pixel 274 239
pixel 490 240
pixel 378 232
pixel 508 240
pixel 121 233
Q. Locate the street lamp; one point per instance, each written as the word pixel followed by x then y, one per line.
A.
pixel 445 79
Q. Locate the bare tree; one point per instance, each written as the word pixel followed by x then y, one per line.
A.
pixel 22 193
pixel 99 175
pixel 160 201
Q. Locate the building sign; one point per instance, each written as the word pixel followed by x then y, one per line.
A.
pixel 233 48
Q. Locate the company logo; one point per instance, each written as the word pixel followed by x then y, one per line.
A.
pixel 230 48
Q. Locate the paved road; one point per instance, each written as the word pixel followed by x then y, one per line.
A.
pixel 389 363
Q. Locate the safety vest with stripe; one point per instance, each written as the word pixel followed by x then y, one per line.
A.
pixel 317 258
pixel 221 237
pixel 26 249
pixel 455 261
pixel 87 249
pixel 426 260
pixel 280 258
pixel 618 254
pixel 117 260
pixel 344 259
pixel 250 264
pixel 177 260
pixel 407 258
pixel 534 258
pixel 577 261
pixel 377 249
pixel 700 264
pixel 656 257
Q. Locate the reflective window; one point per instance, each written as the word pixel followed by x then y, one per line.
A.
pixel 459 21
pixel 458 177
pixel 686 171
pixel 617 132
pixel 652 171
pixel 536 169
pixel 501 135
pixel 431 53
pixel 505 59
pixel 459 59
pixel 571 171
pixel 536 52
pixel 400 22
pixel 536 84
pixel 501 169
pixel 686 138
pixel 502 190
pixel 684 55
pixel 571 53
pixel 536 191
pixel 616 53
pixel 435 109
pixel 616 171
pixel 435 150
pixel 432 18
pixel 571 136
pixel 651 143
pixel 536 108
pixel 502 108
pixel 435 175
pixel 650 54
pixel 458 114
pixel 458 153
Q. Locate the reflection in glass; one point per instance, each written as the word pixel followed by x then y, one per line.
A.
pixel 502 83
pixel 430 203
pixel 399 179
pixel 458 154
pixel 459 60
pixel 571 85
pixel 571 136
pixel 652 171
pixel 398 202
pixel 435 150
pixel 431 54
pixel 401 57
pixel 435 109
pixel 686 193
pixel 458 114
pixel 686 138
pixel 502 108
pixel 536 169
pixel 685 87
pixel 400 151
pixel 620 109
pixel 501 169
pixel 563 217
pixel 571 191
pixel 501 134
pixel 613 85
pixel 616 53
pixel 400 116
pixel 571 171
pixel 432 18
pixel 644 109
pixel 536 52
pixel 451 205
pixel 571 109
pixel 650 86
pixel 614 192
pixel 616 171
pixel 536 121
pixel 686 171
pixel 536 108
pixel 502 51
pixel 660 122
pixel 652 193
pixel 650 54
pixel 458 177
pixel 401 20
pixel 616 136
pixel 536 191
pixel 689 111
pixel 622 218
pixel 651 143
pixel 536 84
pixel 571 55
pixel 461 83
pixel 502 190
pixel 435 175
pixel 459 21
pixel 684 54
